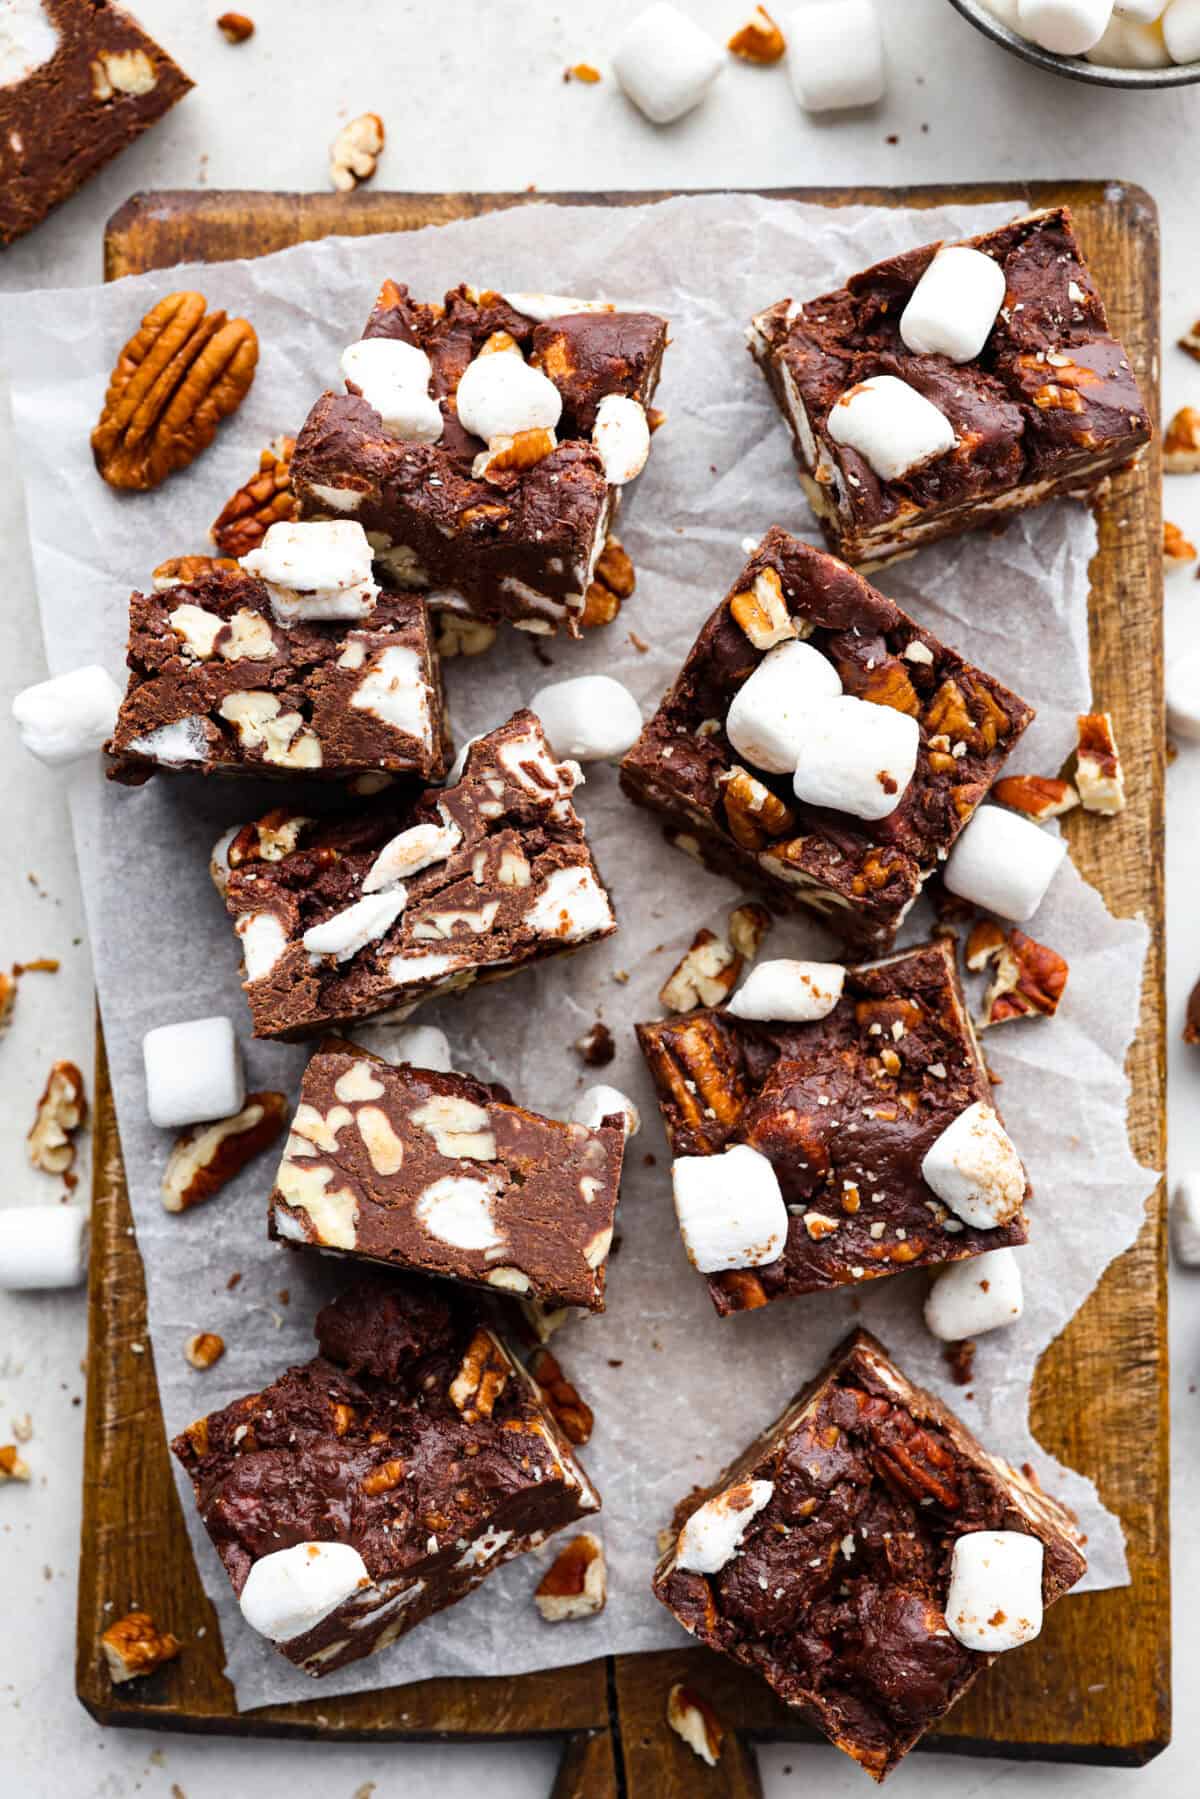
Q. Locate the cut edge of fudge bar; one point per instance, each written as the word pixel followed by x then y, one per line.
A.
pixel 441 1174
pixel 919 1474
pixel 394 1568
pixel 861 878
pixel 1016 410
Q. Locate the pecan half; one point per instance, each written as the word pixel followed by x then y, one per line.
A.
pixel 1099 775
pixel 481 1378
pixel 1178 550
pixel 576 1583
pixel 60 1112
pixel 695 1070
pixel 759 40
pixel 754 814
pixel 908 1457
pixel 1039 797
pixel 206 1157
pixel 179 571
pixel 355 151
pixel 705 976
pixel 572 1414
pixel 180 374
pixel 134 1645
pixel 1029 977
pixel 1181 442
pixel 264 500
pixel 689 1714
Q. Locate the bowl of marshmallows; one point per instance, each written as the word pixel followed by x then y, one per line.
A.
pixel 1114 43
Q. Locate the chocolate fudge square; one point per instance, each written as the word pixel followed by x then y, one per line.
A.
pixel 444 1175
pixel 510 535
pixel 832 1541
pixel 218 684
pixel 844 1109
pixel 386 904
pixel 1042 403
pixel 79 80
pixel 365 1490
pixel 859 875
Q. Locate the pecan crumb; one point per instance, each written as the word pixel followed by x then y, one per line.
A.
pixel 1191 1029
pixel 572 1414
pixel 576 1583
pixel 61 1110
pixel 1190 341
pixel 691 1717
pixel 134 1645
pixel 1178 550
pixel 39 965
pixel 12 1466
pixel 596 1047
pixel 582 71
pixel 355 151
pixel 235 27
pixel 8 994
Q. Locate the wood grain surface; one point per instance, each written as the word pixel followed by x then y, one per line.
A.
pixel 1096 1684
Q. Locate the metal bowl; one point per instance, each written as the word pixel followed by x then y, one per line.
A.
pixel 1098 74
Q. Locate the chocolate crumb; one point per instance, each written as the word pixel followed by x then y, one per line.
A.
pixel 960 1360
pixel 596 1047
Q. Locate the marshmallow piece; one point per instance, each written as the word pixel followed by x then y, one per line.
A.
pixel 893 427
pixel 184 740
pixel 1145 12
pixel 1066 27
pixel 571 905
pixel 422 1045
pixel 856 757
pixel 666 64
pixel 318 569
pixel 501 395
pixel 730 1210
pixel 42 1246
pixel 1003 863
pixel 975 1296
pixel 591 718
pixel 412 850
pixel 193 1072
pixel 289 1591
pixel 621 435
pixel 1181 30
pixel 601 1102
pixel 1183 695
pixel 263 940
pixel 1128 45
pixel 954 305
pixel 554 306
pixel 713 1534
pixel 765 722
pixel 393 377
pixel 457 1209
pixel 68 717
pixel 1185 1222
pixel 28 40
pixel 973 1166
pixel 835 55
pixel 786 992
pixel 995 1597
pixel 350 930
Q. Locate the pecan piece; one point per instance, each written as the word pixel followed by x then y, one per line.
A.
pixel 179 571
pixel 354 153
pixel 13 1465
pixel 688 1713
pixel 705 976
pixel 514 454
pixel 759 40
pixel 264 500
pixel 907 1456
pixel 1181 442
pixel 204 1349
pixel 753 813
pixel 461 636
pixel 613 581
pixel 206 1157
pixel 134 1645
pixel 481 1378
pixel 572 1414
pixel 1029 977
pixel 887 684
pixel 235 27
pixel 748 926
pixel 576 1583
pixel 695 1069
pixel 1099 775
pixel 1039 797
pixel 1178 550
pixel 746 1292
pixel 60 1112
pixel 965 711
pixel 761 612
pixel 8 995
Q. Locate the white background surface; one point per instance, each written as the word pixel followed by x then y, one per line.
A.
pixel 472 96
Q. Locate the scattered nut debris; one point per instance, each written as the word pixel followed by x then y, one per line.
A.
pixel 355 151
pixel 235 27
pixel 8 994
pixel 60 1112
pixel 1029 978
pixel 1178 550
pixel 572 1414
pixel 1039 797
pixel 264 500
pixel 206 1157
pixel 205 1348
pixel 759 40
pixel 705 976
pixel 12 1467
pixel 1099 775
pixel 748 926
pixel 39 965
pixel 596 1047
pixel 576 1583
pixel 22 1428
pixel 693 1718
pixel 1181 443
pixel 1190 341
pixel 461 636
pixel 613 580
pixel 582 71
pixel 178 571
pixel 134 1645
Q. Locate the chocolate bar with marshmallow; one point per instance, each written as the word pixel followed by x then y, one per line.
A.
pixel 837 1148
pixel 867 1557
pixel 381 1482
pixel 821 746
pixel 382 906
pixel 950 387
pixel 483 445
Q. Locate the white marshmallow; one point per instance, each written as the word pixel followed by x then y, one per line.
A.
pixel 954 305
pixel 394 378
pixel 856 757
pixel 621 435
pixel 1185 1221
pixel 975 1296
pixel 973 1166
pixel 1183 695
pixel 315 570
pixel 765 722
pixel 835 55
pixel 730 1210
pixel 184 740
pixel 571 905
pixel 501 395
pixel 455 773
pixel 1145 12
pixel 193 1072
pixel 350 930
pixel 457 1209
pixel 554 306
pixel 1128 45
pixel 995 1597
pixel 714 1532
pixel 1181 30
pixel 1066 27
pixel 264 941
pixel 412 850
pixel 68 717
pixel 29 39
pixel 598 1103
pixel 42 1246
pixel 787 992
pixel 395 691
pixel 1004 863
pixel 422 1045
pixel 893 427
pixel 591 718
pixel 289 1592
pixel 666 64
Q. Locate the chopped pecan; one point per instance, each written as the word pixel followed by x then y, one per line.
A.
pixel 180 374
pixel 688 1713
pixel 759 40
pixel 582 71
pixel 613 581
pixel 754 814
pixel 909 1457
pixel 8 995
pixel 886 684
pixel 264 500
pixel 576 1583
pixel 1181 442
pixel 1178 550
pixel 355 151
pixel 745 1290
pixel 694 1066
pixel 1029 977
pixel 207 1156
pixel 134 1645
pixel 178 571
pixel 986 939
pixel 572 1414
pixel 1190 341
pixel 235 27
pixel 596 1046
pixel 383 1479
pixel 460 636
pixel 269 838
pixel 204 1349
pixel 964 711
pixel 482 1377
pixel 705 976
pixel 60 1112
pixel 1099 775
pixel 761 612
pixel 513 454
pixel 13 1466
pixel 1039 797
pixel 748 926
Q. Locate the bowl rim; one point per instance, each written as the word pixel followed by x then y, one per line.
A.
pixel 1073 67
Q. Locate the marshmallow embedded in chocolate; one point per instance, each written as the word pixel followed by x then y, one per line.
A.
pixel 892 427
pixel 954 305
pixel 995 1597
pixel 714 1533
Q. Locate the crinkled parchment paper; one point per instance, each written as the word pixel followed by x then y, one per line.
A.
pixel 675 1390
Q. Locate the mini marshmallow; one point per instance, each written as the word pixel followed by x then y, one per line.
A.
pixel 393 377
pixel 730 1210
pixel 995 1597
pixel 193 1072
pixel 350 930
pixel 554 306
pixel 1145 12
pixel 591 718
pixel 1183 695
pixel 765 722
pixel 786 992
pixel 1185 1221
pixel 1128 45
pixel 621 435
pixel 501 395
pixel 317 569
pixel 666 64
pixel 1181 30
pixel 571 905
pixel 422 1045
pixel 713 1534
pixel 42 1246
pixel 975 1296
pixel 1004 863
pixel 1066 27
pixel 29 39
pixel 954 305
pixel 856 757
pixel 973 1166
pixel 68 717
pixel 893 427
pixel 289 1591
pixel 410 851
pixel 835 55
pixel 601 1102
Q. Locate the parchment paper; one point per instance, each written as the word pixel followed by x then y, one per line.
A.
pixel 675 1390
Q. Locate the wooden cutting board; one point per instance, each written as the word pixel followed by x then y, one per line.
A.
pixel 1096 1685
